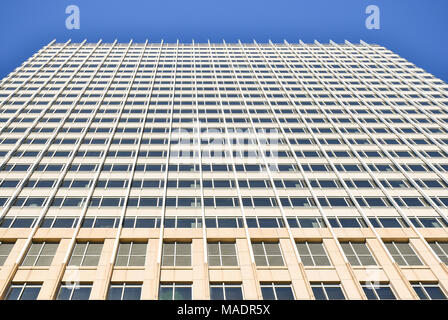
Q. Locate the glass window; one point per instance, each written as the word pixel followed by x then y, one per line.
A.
pixel 175 291
pixel 403 253
pixel 267 254
pixel 327 291
pixel 222 254
pixel 269 222
pixel 9 183
pixel 388 222
pixel 225 222
pixel 5 249
pixel 226 291
pixel 375 202
pixel 124 291
pixel 311 222
pixel 412 202
pixel 131 254
pixel 378 291
pixel 358 253
pixel 176 254
pixel 313 253
pixel 73 202
pixel 40 254
pixel 439 247
pixel 347 222
pixel 428 222
pixel 23 223
pixel 86 254
pixel 69 291
pixel 362 183
pixel 276 291
pixel 51 222
pixel 23 291
pixel 337 202
pixel 428 291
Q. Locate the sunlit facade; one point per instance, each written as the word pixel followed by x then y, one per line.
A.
pixel 222 171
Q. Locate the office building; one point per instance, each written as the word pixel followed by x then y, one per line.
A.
pixel 223 171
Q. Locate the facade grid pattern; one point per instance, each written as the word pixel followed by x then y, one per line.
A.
pixel 222 170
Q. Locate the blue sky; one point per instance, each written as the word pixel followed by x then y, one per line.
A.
pixel 415 29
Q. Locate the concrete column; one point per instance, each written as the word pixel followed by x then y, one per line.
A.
pixel 101 282
pixel 150 286
pixel 300 284
pixel 431 261
pixel 248 272
pixel 349 284
pixel 201 289
pixel 9 268
pixel 55 273
pixel 399 285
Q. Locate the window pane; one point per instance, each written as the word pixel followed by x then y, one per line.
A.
pixel 228 248
pixel 124 248
pixel 268 293
pixel 385 293
pixel 165 293
pixel 214 261
pixel 420 292
pixel 182 293
pixel 435 292
pixel 44 261
pixel 139 249
pixel 64 293
pixel 413 260
pixel 121 261
pixel 275 260
pixel 91 261
pixel 367 261
pixel 183 261
pixel 319 293
pixel 370 293
pixel 94 249
pixel 82 293
pixel 30 293
pixel 216 293
pixel 335 293
pixel 75 261
pixel 284 293
pixel 261 261
pixel 322 261
pixel 272 248
pixel 234 293
pixel 183 248
pixel 229 261
pixel 137 261
pixel 114 293
pixel 213 248
pixel 14 293
pixel 168 261
pixel 132 293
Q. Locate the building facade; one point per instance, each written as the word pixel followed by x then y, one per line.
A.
pixel 222 171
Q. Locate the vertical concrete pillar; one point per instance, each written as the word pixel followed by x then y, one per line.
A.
pixel 248 272
pixel 55 273
pixel 9 268
pixel 150 283
pixel 350 285
pixel 101 283
pixel 201 288
pixel 302 290
pixel 399 285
